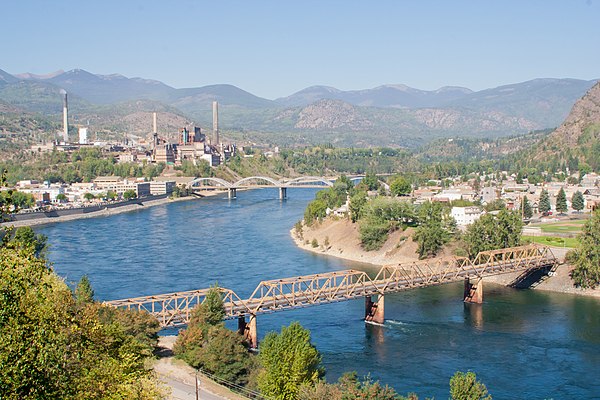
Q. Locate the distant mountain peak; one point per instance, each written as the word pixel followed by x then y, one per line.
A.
pixel 29 75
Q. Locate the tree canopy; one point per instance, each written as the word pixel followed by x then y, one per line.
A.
pixel 492 232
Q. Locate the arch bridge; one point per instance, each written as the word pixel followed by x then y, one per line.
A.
pixel 255 182
pixel 174 309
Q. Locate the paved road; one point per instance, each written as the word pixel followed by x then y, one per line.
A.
pixel 185 391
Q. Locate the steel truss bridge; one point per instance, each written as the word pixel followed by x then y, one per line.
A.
pixel 174 309
pixel 255 182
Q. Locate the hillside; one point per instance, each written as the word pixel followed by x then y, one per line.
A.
pixel 578 137
pixel 388 115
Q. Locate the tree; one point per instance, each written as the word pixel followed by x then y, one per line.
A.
pixel 88 196
pixel 577 201
pixel 561 201
pixel 83 291
pixel 357 205
pixel 111 195
pixel 465 386
pixel 586 257
pixel 129 194
pixel 51 348
pixel 371 181
pixel 206 343
pixel 492 232
pixel 61 197
pixel 526 210
pixel 544 205
pixel 289 360
pixel 400 187
pixel 434 229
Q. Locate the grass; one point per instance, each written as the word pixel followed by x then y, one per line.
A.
pixel 553 241
pixel 562 227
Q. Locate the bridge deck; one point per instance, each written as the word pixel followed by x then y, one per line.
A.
pixel 174 309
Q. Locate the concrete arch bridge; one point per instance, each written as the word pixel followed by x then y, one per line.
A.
pixel 257 182
pixel 174 309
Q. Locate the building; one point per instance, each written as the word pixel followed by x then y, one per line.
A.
pixel 465 216
pixel 161 187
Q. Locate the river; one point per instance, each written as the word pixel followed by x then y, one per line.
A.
pixel 521 343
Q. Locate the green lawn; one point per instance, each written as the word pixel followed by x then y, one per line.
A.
pixel 552 241
pixel 562 227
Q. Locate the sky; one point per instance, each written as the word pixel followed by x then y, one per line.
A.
pixel 277 47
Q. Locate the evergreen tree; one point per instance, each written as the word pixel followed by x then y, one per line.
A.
pixel 586 257
pixel 84 292
pixel 290 361
pixel 544 205
pixel 561 201
pixel 526 208
pixel 577 201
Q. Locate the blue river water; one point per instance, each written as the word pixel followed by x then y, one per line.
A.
pixel 521 343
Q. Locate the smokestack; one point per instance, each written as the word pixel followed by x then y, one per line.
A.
pixel 215 138
pixel 154 130
pixel 65 117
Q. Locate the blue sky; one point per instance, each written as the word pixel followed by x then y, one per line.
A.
pixel 274 48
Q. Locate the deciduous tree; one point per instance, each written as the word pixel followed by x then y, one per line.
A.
pixel 289 360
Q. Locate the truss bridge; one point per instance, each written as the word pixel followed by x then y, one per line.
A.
pixel 174 309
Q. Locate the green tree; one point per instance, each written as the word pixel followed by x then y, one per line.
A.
pixel 111 195
pixel 129 194
pixel 289 360
pixel 357 205
pixel 316 210
pixel 371 181
pixel 544 205
pixel 526 209
pixel 492 232
pixel 83 291
pixel 400 187
pixel 434 230
pixel 561 202
pixel 465 386
pixel 586 257
pixel 577 201
pixel 88 196
pixel 61 197
pixel 206 344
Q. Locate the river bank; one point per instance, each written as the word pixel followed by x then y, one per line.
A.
pixel 340 238
pixel 106 212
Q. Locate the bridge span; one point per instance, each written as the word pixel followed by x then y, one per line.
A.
pixel 174 309
pixel 256 182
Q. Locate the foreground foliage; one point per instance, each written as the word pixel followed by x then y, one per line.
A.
pixel 51 346
pixel 207 345
pixel 289 361
pixel 465 386
pixel 586 257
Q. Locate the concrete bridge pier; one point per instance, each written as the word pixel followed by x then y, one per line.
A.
pixel 282 193
pixel 231 193
pixel 374 311
pixel 248 330
pixel 473 291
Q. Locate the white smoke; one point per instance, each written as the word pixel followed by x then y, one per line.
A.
pixel 63 91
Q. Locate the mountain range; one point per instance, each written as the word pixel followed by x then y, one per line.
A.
pixel 391 115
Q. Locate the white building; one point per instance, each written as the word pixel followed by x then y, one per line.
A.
pixel 465 215
pixel 83 139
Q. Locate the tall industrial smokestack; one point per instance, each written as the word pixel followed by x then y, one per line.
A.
pixel 154 129
pixel 65 117
pixel 215 138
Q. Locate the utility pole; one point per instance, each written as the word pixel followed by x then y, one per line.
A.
pixel 197 385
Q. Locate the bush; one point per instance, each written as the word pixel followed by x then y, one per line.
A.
pixel 314 243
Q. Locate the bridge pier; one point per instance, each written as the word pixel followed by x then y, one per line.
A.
pixel 473 291
pixel 374 311
pixel 282 193
pixel 231 193
pixel 248 330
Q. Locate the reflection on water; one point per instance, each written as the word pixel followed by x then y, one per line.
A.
pixel 522 344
